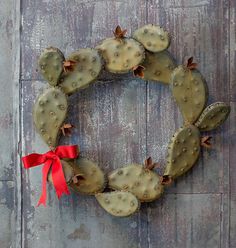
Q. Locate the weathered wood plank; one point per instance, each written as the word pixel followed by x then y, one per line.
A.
pixel 232 49
pixel 8 142
pixel 232 202
pixel 7 213
pixel 185 220
pixel 232 59
pixel 6 60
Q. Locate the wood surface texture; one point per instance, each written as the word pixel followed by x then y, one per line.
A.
pixel 118 120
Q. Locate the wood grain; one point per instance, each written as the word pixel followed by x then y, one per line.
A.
pixel 8 123
pixel 118 120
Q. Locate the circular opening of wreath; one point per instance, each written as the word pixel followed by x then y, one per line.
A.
pixel 146 55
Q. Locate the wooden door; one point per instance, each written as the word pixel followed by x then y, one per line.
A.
pixel 118 120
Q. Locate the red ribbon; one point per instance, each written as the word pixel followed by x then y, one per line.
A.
pixel 52 159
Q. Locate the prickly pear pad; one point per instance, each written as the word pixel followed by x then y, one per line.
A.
pixel 143 183
pixel 146 55
pixel 87 64
pixel 94 178
pixel 213 116
pixel 159 66
pixel 153 38
pixel 51 65
pixel 183 151
pixel 118 203
pixel 49 113
pixel 190 92
pixel 121 55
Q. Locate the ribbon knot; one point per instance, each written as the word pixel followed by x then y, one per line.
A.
pixel 51 160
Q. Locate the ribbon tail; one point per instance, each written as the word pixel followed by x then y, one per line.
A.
pixel 45 170
pixel 58 179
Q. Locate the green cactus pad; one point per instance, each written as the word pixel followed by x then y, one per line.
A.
pixel 51 65
pixel 158 66
pixel 121 55
pixel 190 92
pixel 118 203
pixel 68 172
pixel 213 116
pixel 94 178
pixel 153 38
pixel 85 71
pixel 183 151
pixel 143 183
pixel 49 113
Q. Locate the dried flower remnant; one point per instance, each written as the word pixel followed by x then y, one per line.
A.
pixel 138 71
pixel 205 141
pixel 68 65
pixel 119 33
pixel 148 164
pixel 166 180
pixel 66 129
pixel 191 65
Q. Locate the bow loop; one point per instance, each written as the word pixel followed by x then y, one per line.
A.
pixel 51 159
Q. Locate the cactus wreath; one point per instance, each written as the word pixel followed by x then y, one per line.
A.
pixel 146 55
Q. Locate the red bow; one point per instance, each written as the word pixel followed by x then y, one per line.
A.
pixel 52 159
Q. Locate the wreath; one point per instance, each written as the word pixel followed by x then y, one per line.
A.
pixel 146 55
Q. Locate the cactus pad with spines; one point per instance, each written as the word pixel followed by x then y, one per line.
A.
pixel 94 178
pixel 183 151
pixel 190 92
pixel 68 172
pixel 88 64
pixel 142 182
pixel 49 113
pixel 153 38
pixel 213 116
pixel 121 55
pixel 158 66
pixel 51 65
pixel 118 203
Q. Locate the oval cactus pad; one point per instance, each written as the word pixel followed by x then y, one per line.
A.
pixel 51 64
pixel 118 203
pixel 153 38
pixel 213 116
pixel 183 151
pixel 143 183
pixel 121 55
pixel 86 65
pixel 94 178
pixel 49 113
pixel 190 92
pixel 158 66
